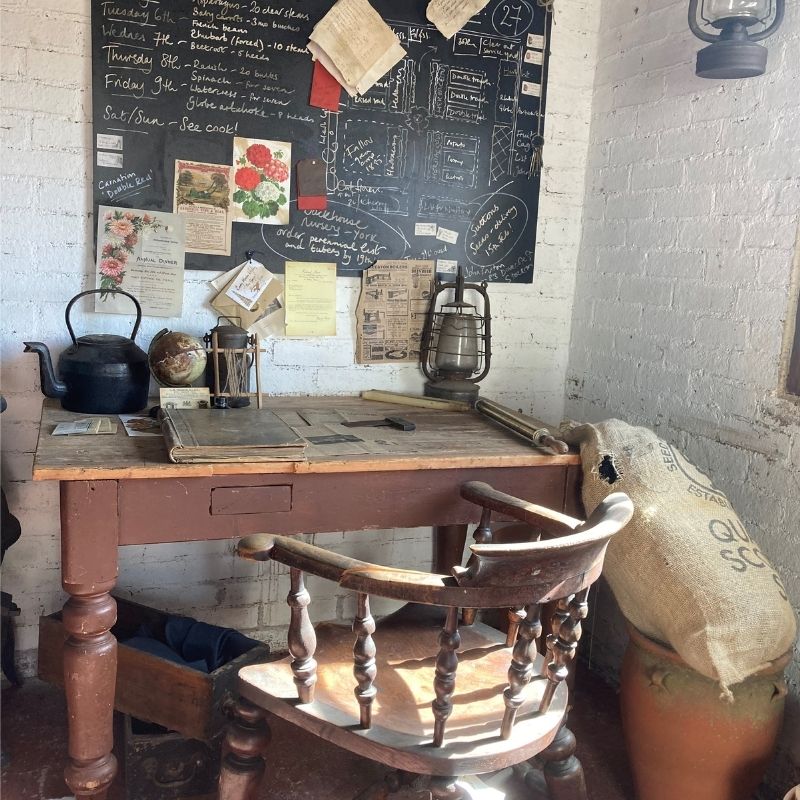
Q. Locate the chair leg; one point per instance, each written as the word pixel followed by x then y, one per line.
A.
pixel 563 772
pixel 242 761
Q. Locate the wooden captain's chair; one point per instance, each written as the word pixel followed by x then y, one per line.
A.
pixel 417 694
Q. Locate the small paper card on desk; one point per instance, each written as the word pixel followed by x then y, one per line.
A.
pixel 140 425
pixel 85 427
pixel 184 397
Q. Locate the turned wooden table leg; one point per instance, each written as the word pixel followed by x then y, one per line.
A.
pixel 89 572
pixel 243 753
pixel 562 771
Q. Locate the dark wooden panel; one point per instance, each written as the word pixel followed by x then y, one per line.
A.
pixel 180 510
pixel 251 499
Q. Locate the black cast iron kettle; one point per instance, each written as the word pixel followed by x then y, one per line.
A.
pixel 100 373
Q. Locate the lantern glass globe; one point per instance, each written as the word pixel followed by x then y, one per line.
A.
pixel 749 11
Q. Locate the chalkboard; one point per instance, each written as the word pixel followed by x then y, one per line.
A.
pixel 445 138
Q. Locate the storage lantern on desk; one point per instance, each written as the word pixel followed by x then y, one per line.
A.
pixel 232 351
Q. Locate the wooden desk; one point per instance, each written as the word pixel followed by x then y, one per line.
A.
pixel 119 490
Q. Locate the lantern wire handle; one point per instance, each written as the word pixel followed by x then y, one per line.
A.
pixel 695 28
pixel 780 8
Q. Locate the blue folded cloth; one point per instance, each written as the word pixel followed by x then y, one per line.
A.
pixel 197 641
pixel 193 644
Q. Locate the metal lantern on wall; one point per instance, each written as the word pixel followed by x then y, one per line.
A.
pixel 733 51
pixel 455 353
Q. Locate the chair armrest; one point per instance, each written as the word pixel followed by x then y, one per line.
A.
pixel 295 553
pixel 543 519
pixel 359 576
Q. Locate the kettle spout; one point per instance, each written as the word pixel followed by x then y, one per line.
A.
pixel 51 386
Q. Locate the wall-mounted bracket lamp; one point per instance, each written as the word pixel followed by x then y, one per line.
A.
pixel 733 51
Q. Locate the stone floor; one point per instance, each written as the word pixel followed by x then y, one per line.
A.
pixel 300 767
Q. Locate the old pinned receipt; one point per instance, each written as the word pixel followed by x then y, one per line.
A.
pixel 355 45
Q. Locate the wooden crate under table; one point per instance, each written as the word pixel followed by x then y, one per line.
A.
pixel 150 688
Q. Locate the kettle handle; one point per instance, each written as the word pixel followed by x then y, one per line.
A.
pixel 103 291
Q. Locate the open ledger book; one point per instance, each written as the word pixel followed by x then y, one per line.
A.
pixel 238 434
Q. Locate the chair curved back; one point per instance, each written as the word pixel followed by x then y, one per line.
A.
pixel 544 569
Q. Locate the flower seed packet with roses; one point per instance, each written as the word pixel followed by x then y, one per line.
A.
pixel 261 181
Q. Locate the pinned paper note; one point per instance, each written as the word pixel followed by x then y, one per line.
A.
pixel 310 298
pixel 109 160
pixel 355 45
pixel 446 235
pixel 531 89
pixel 534 57
pixel 450 16
pixel 249 285
pixel 228 307
pixel 425 229
pixel 109 141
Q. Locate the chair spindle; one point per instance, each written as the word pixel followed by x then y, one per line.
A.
pixel 560 614
pixel 302 638
pixel 515 617
pixel 521 670
pixel 565 643
pixel 364 667
pixel 445 681
pixel 482 535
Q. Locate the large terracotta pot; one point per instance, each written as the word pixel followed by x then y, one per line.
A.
pixel 685 742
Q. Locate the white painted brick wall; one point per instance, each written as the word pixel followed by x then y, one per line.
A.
pixel 691 218
pixel 46 250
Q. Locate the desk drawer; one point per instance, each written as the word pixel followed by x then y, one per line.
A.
pixel 250 499
pixel 229 506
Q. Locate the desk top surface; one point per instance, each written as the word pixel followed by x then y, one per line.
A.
pixel 442 440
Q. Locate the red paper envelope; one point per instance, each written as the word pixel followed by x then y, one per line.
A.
pixel 325 89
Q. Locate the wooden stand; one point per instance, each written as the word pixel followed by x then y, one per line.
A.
pixel 254 349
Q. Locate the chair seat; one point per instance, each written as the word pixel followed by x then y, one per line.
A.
pixel 402 727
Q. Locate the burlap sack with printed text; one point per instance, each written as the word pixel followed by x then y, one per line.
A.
pixel 684 571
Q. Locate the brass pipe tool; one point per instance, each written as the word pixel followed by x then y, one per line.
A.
pixel 522 425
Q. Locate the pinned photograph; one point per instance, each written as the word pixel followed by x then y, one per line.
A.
pixel 261 181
